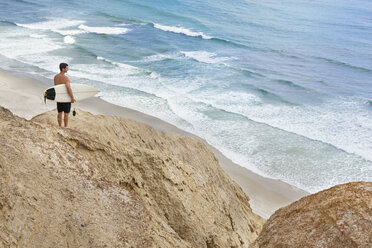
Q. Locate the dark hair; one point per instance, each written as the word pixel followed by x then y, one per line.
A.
pixel 62 66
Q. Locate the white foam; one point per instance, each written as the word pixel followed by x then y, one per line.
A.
pixel 229 98
pixel 121 65
pixel 57 26
pixel 37 36
pixel 343 123
pixel 68 40
pixel 181 30
pixel 205 57
pixel 154 75
pixel 47 63
pixel 70 31
pixel 135 78
pixel 158 57
pixel 110 74
pixel 54 24
pixel 104 30
pixel 17 44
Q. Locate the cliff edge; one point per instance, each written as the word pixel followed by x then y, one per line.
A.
pixel 110 182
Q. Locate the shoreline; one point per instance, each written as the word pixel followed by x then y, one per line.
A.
pixel 266 194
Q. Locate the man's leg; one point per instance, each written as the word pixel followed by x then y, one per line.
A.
pixel 59 118
pixel 66 119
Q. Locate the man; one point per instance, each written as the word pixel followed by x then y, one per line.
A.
pixel 65 107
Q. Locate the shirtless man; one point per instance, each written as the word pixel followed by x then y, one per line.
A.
pixel 65 107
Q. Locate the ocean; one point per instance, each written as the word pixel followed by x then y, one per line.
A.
pixel 283 88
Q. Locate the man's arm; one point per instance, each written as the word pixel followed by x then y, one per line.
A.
pixel 69 91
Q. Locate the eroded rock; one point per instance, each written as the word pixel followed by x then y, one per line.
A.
pixel 110 182
pixel 338 217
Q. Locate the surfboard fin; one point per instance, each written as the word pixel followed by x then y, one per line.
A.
pixel 50 94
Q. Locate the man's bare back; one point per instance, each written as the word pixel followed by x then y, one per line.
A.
pixel 61 79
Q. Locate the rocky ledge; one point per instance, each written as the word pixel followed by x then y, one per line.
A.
pixel 110 182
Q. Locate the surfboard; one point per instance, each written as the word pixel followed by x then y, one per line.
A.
pixel 58 93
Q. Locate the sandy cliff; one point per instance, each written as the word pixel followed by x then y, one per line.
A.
pixel 110 182
pixel 337 217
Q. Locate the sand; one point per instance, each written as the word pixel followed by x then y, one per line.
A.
pixel 22 95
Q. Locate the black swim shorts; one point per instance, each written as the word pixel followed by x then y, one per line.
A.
pixel 63 107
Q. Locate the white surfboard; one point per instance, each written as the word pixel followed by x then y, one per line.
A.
pixel 59 92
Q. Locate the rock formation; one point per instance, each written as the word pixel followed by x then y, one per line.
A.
pixel 337 217
pixel 110 182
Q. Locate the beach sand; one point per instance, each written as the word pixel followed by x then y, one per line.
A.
pixel 22 95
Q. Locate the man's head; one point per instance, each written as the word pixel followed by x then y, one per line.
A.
pixel 63 67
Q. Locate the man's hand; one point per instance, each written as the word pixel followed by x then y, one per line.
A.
pixel 73 100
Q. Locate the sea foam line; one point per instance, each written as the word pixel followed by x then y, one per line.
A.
pixel 51 24
pixel 121 65
pixel 205 57
pixel 57 26
pixel 60 26
pixel 181 30
pixel 104 30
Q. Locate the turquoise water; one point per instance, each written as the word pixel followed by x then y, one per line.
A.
pixel 283 88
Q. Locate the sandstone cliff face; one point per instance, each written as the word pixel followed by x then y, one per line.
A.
pixel 110 182
pixel 337 217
